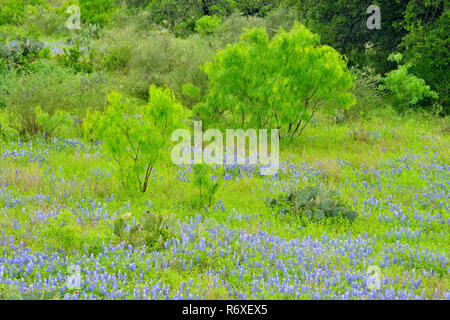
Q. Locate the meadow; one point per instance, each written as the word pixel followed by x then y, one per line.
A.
pixel 77 223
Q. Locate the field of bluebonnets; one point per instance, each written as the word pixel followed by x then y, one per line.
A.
pixel 92 207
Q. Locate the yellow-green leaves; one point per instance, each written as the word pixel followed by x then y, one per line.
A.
pixel 136 136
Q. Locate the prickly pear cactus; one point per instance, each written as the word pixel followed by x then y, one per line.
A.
pixel 314 202
pixel 157 228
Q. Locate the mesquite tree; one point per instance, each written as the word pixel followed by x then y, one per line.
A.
pixel 280 83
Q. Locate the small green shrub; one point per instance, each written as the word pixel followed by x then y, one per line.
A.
pixel 20 53
pixel 76 57
pixel 314 203
pixel 369 98
pixel 63 232
pixel 207 183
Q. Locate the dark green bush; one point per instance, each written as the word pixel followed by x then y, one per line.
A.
pixel 419 29
pixel 314 203
pixel 255 7
pixel 19 53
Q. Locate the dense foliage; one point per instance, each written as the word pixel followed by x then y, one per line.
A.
pixel 407 90
pixel 152 231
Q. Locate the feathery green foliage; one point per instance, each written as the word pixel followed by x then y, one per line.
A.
pixel 407 89
pixel 280 83
pixel 207 183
